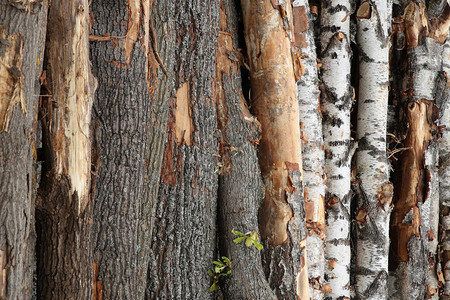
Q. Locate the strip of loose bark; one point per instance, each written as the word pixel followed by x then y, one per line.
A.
pixel 274 101
pixel 312 148
pixel 336 101
pixel 374 190
pixel 64 212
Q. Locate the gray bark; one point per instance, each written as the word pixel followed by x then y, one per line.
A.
pixel 184 230
pixel 22 35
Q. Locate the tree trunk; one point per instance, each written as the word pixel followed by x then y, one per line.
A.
pixel 241 189
pixel 127 108
pixel 374 190
pixel 22 36
pixel 312 148
pixel 64 207
pixel 444 172
pixel 274 68
pixel 336 99
pixel 184 232
pixel 414 226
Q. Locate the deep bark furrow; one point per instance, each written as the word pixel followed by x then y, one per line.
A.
pixel 23 38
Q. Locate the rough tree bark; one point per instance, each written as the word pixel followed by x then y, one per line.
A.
pixel 128 110
pixel 184 230
pixel 312 147
pixel 241 189
pixel 336 99
pixel 414 218
pixel 22 39
pixel 374 191
pixel 274 69
pixel 64 206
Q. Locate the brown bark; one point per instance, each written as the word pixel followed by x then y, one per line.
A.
pixel 64 207
pixel 22 39
pixel 274 101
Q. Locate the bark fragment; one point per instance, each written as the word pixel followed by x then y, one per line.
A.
pixel 11 77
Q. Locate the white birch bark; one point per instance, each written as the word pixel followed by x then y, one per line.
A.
pixel 336 100
pixel 312 148
pixel 374 189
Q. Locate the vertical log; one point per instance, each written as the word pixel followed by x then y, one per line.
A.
pixel 184 230
pixel 131 109
pixel 336 101
pixel 374 191
pixel 64 210
pixel 241 189
pixel 444 172
pixel 312 148
pixel 414 224
pixel 22 39
pixel 274 69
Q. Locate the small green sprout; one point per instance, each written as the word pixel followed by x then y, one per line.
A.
pixel 250 238
pixel 222 267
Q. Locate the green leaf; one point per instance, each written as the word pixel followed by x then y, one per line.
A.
pixel 239 240
pixel 248 242
pixel 235 232
pixel 258 246
pixel 213 287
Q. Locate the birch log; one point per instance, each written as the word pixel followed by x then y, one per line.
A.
pixel 336 101
pixel 374 190
pixel 415 215
pixel 312 148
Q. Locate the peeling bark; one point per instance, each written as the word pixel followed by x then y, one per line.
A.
pixel 241 189
pixel 312 148
pixel 274 101
pixel 374 191
pixel 444 173
pixel 336 101
pixel 64 210
pixel 22 39
pixel 414 218
pixel 184 230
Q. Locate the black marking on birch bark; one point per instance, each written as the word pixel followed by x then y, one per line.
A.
pixel 333 41
pixel 363 56
pixel 334 9
pixel 363 144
